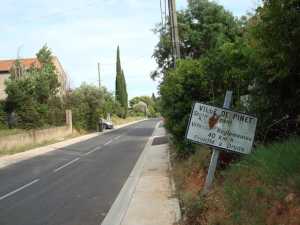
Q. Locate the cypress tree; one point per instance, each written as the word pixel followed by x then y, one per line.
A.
pixel 124 93
pixel 118 78
pixel 121 89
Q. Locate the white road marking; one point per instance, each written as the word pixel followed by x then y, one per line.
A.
pixel 19 189
pixel 67 164
pixel 92 151
pixel 116 138
pixel 107 143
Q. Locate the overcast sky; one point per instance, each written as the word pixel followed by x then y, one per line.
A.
pixel 83 32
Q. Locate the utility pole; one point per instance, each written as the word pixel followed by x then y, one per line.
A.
pixel 99 75
pixel 174 30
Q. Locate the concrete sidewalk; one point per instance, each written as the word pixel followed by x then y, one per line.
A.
pixel 15 158
pixel 147 198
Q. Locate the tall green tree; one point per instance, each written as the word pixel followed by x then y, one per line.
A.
pixel 121 89
pixel 118 77
pixel 124 94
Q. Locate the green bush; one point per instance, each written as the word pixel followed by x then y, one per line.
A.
pixel 179 89
pixel 3 116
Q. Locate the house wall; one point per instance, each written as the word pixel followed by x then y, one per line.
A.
pixel 62 77
pixel 3 77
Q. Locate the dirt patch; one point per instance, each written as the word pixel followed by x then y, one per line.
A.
pixel 195 181
pixel 286 212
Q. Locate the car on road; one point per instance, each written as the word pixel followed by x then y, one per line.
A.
pixel 107 124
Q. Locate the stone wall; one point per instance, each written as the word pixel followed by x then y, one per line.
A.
pixel 34 137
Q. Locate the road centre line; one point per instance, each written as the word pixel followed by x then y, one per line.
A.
pixel 92 151
pixel 19 189
pixel 107 143
pixel 65 165
pixel 116 138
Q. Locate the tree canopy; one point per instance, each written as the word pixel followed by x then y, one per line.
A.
pixel 256 56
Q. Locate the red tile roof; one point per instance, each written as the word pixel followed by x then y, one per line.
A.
pixel 5 65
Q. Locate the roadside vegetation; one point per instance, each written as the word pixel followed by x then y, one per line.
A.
pixel 23 148
pixel 257 57
pixel 260 189
pixel 34 99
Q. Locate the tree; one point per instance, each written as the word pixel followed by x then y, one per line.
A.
pixel 141 107
pixel 121 89
pixel 257 57
pixel 17 70
pixel 29 94
pixel 153 97
pixel 124 93
pixel 275 95
pixel 145 99
pixel 87 103
pixel 118 77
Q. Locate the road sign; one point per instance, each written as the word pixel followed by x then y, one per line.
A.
pixel 221 128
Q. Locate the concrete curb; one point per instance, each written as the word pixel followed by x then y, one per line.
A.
pixel 120 205
pixel 15 158
pixel 176 202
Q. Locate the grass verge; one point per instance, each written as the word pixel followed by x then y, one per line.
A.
pixel 24 148
pixel 259 189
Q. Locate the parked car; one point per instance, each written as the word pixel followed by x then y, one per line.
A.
pixel 106 124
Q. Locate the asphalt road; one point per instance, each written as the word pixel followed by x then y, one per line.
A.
pixel 75 185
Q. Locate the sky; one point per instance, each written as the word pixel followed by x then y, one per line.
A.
pixel 82 33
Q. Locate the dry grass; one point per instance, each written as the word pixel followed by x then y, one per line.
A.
pixel 24 148
pixel 6 132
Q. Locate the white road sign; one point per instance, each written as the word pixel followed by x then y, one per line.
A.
pixel 221 128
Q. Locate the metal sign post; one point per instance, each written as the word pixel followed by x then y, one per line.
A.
pixel 216 152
